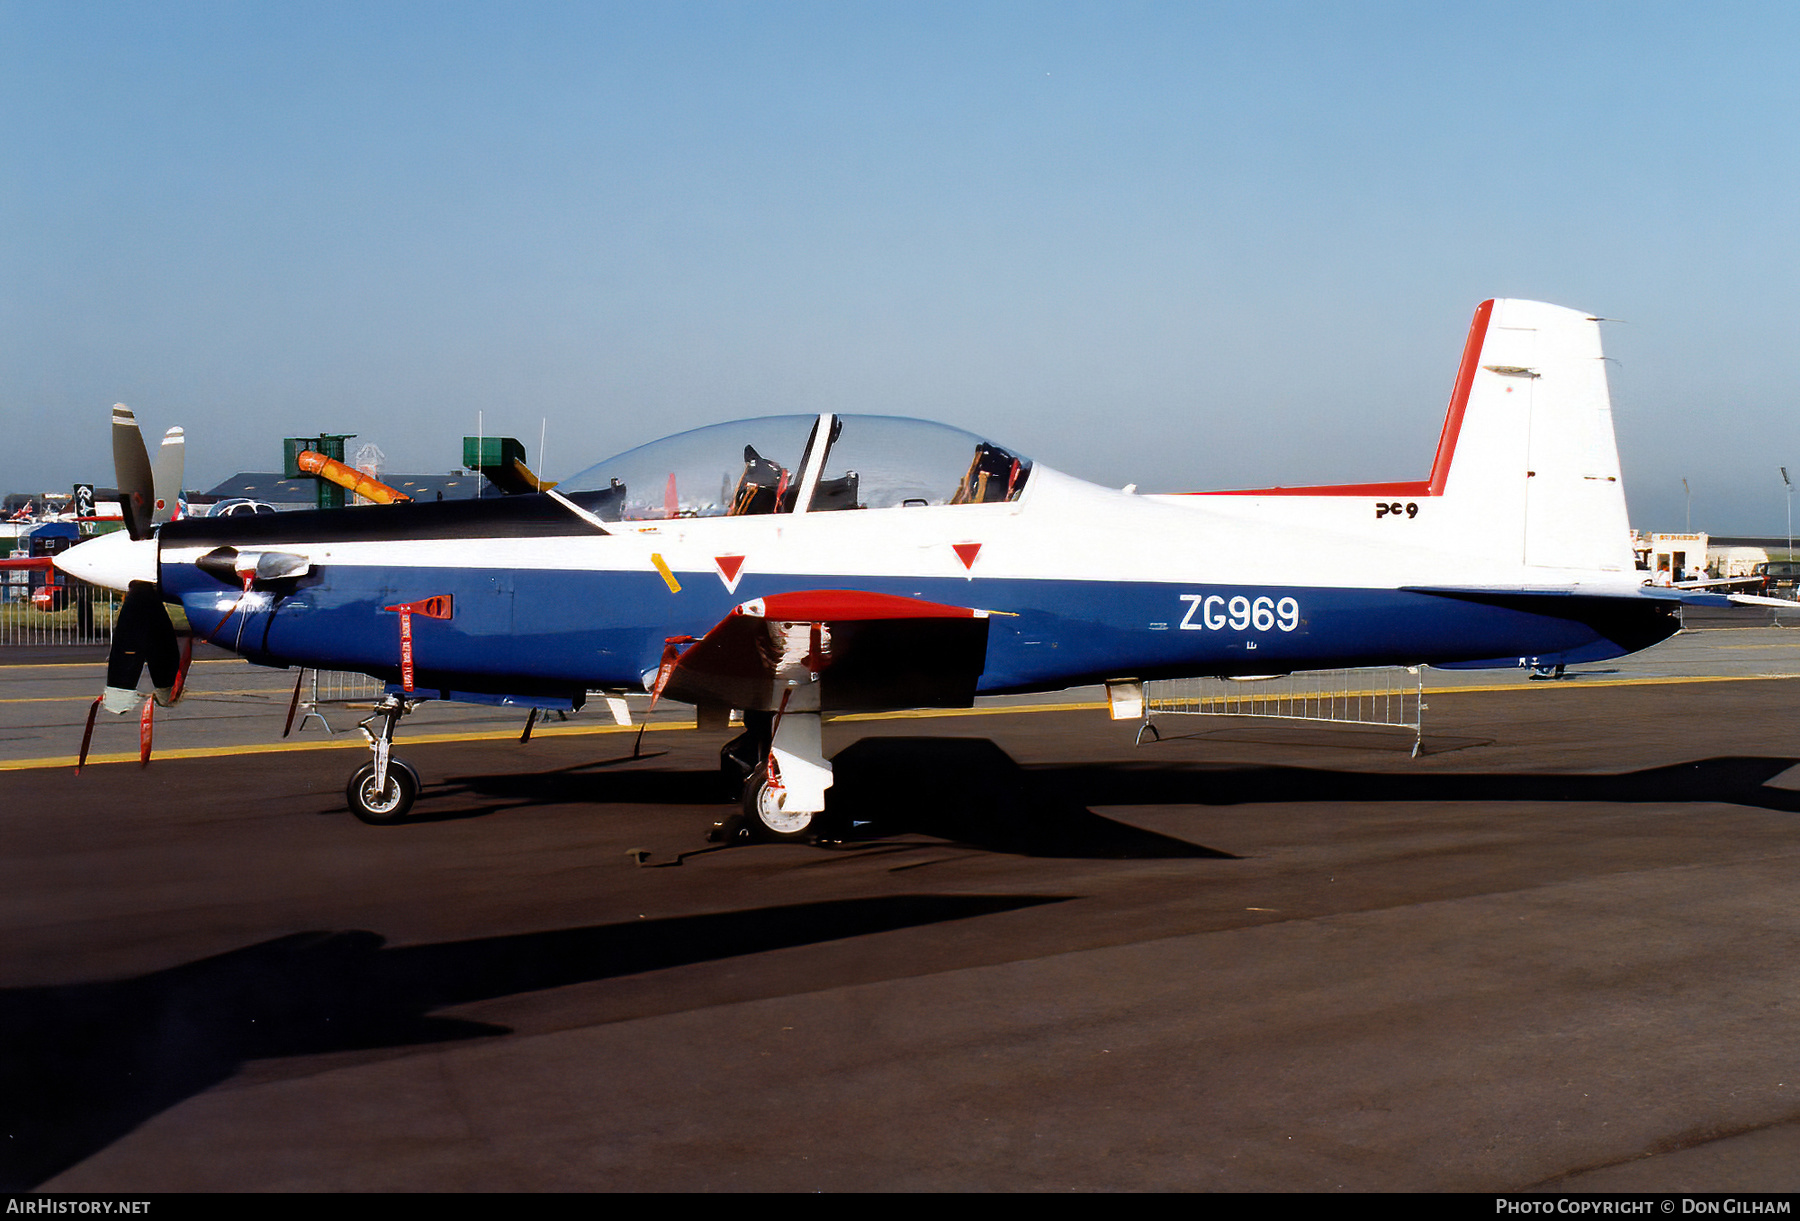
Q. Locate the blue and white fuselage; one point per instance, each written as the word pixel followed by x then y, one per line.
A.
pixel 1096 584
pixel 1516 550
pixel 891 563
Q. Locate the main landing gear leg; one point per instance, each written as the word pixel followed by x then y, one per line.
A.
pixel 739 759
pixel 741 756
pixel 779 763
pixel 785 796
pixel 383 789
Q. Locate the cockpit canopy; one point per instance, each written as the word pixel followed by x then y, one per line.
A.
pixel 777 465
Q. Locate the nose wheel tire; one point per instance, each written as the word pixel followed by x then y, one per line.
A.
pixel 388 805
pixel 764 815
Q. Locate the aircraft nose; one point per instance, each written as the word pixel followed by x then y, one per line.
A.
pixel 111 560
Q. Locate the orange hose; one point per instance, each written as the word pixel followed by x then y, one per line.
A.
pixel 348 478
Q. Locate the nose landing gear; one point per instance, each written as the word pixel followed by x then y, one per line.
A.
pixel 376 802
pixel 383 790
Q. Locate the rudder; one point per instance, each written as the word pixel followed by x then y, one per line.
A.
pixel 1532 460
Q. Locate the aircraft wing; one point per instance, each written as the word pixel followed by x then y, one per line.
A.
pixel 866 651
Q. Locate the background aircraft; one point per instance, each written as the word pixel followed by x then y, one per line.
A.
pixel 795 566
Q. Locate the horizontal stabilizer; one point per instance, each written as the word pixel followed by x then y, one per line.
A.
pixel 1692 595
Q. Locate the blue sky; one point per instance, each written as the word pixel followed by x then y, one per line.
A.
pixel 1181 245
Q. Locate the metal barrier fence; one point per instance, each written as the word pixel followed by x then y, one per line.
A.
pixel 336 687
pixel 34 613
pixel 1391 697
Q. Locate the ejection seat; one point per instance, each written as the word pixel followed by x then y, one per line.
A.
pixel 762 488
pixel 993 475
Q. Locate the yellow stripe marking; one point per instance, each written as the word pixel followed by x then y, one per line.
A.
pixel 344 742
pixel 190 695
pixel 556 731
pixel 913 714
pixel 1747 647
pixel 667 576
pixel 1580 683
pixel 99 663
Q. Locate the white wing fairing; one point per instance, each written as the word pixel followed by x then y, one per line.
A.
pixel 797 565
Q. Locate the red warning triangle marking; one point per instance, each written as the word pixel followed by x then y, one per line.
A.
pixel 729 567
pixel 966 552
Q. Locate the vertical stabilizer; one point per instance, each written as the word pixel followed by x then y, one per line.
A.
pixel 1533 467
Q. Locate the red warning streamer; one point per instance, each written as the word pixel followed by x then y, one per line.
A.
pixel 406 664
pixel 438 606
pixel 672 647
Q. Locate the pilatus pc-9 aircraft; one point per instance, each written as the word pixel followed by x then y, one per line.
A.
pixel 797 566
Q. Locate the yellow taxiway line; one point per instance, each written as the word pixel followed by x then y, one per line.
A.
pixel 355 742
pixel 100 664
pixel 342 742
pixel 196 696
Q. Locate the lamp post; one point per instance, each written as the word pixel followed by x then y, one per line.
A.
pixel 1790 496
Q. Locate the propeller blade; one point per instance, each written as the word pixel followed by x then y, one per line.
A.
pixel 168 474
pixel 131 471
pixel 142 636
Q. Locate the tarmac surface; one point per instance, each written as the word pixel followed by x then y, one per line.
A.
pixel 1559 951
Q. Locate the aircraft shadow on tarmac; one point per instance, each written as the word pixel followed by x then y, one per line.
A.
pixel 81 1065
pixel 970 791
pixel 966 790
pixel 1732 780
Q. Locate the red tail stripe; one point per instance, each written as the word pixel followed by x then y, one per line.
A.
pixel 1446 450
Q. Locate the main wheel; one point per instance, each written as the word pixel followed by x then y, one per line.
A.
pixel 765 816
pixel 391 803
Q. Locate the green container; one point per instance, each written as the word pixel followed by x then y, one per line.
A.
pixel 486 453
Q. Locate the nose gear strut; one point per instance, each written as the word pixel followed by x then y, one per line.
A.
pixel 383 789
